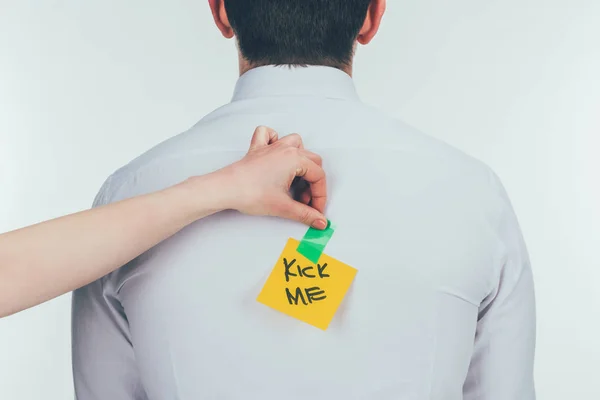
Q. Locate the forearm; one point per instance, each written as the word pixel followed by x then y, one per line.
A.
pixel 43 261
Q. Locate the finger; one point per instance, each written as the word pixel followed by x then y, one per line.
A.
pixel 312 156
pixel 296 211
pixel 293 140
pixel 315 176
pixel 273 136
pixel 263 136
pixel 305 197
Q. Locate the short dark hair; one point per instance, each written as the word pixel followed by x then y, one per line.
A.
pixel 298 32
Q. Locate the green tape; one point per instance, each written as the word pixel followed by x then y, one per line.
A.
pixel 314 242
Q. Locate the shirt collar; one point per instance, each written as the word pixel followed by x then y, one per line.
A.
pixel 286 81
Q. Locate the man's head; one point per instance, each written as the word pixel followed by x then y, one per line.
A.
pixel 298 32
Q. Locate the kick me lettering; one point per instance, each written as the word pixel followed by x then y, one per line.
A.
pixel 310 292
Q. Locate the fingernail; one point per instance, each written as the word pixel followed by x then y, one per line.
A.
pixel 319 224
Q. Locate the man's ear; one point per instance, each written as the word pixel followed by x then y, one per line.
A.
pixel 372 21
pixel 217 7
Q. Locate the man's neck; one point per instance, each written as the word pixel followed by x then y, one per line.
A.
pixel 245 66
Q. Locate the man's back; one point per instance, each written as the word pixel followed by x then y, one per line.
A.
pixel 443 296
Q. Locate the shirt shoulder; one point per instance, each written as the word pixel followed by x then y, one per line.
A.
pixel 460 177
pixel 402 138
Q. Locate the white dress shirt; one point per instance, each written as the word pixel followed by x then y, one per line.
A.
pixel 442 306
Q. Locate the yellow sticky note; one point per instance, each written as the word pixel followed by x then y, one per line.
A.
pixel 304 290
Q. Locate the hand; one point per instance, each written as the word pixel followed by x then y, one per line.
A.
pixel 260 182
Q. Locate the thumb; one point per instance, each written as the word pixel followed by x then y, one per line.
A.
pixel 297 211
pixel 263 136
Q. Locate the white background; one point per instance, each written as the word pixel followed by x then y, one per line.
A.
pixel 85 86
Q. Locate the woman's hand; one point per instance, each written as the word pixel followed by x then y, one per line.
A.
pixel 259 184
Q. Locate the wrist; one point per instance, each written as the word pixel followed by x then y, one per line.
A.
pixel 208 194
pixel 226 184
pixel 198 197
